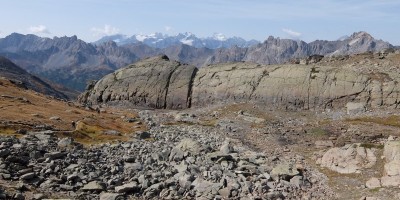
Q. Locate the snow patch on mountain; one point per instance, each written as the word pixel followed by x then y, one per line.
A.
pixel 158 40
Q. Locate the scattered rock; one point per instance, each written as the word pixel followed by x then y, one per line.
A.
pixel 55 118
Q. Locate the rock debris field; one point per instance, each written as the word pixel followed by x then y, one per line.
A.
pixel 166 162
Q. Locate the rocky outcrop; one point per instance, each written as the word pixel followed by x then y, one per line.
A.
pixel 291 86
pixel 155 82
pixel 160 83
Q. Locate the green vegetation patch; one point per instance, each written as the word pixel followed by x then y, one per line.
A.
pixel 318 132
pixel 370 146
pixel 387 121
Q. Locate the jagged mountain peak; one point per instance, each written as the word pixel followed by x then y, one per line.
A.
pixel 361 34
pixel 162 41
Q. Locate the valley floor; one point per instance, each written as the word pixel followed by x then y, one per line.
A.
pixel 55 149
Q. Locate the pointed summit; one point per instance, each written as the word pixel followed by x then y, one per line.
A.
pixel 361 34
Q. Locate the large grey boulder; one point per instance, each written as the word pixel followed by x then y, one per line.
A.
pixel 391 153
pixel 351 158
pixel 155 82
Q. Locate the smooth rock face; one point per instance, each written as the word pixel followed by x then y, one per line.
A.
pixel 160 83
pixel 155 82
pixel 286 86
pixel 351 158
pixel 354 108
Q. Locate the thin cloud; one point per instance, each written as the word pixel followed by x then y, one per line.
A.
pixel 291 33
pixel 40 29
pixel 106 30
pixel 168 28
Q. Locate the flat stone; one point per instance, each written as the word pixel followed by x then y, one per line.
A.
pixel 39 196
pixel 28 176
pixel 284 170
pixel 94 186
pixel 55 118
pixel 390 181
pixel 129 187
pixel 65 142
pixel 111 196
pixel 55 155
pixel 373 183
pixel 225 192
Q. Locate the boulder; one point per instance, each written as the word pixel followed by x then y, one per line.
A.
pixel 373 183
pixel 126 188
pixel 186 145
pixel 28 176
pixel 285 171
pixel 226 148
pixel 155 82
pixel 390 181
pixel 111 196
pixel 66 142
pixel 94 186
pixel 391 152
pixel 351 158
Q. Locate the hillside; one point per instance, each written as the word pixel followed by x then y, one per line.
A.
pixel 23 79
pixel 24 110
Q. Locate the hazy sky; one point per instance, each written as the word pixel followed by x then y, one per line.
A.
pixel 307 20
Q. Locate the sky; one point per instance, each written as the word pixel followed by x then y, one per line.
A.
pixel 306 20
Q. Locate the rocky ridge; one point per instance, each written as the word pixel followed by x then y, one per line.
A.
pixel 325 84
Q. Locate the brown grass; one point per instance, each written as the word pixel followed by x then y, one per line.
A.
pixel 14 112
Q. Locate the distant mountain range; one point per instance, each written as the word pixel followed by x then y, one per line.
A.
pixel 72 62
pixel 162 41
